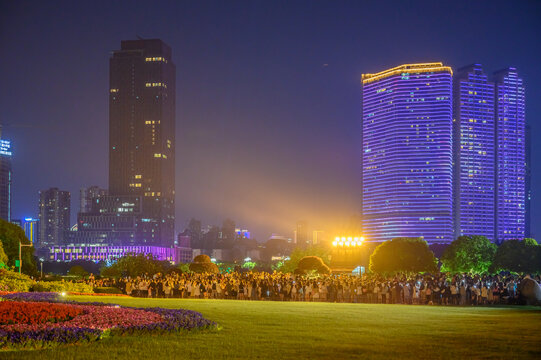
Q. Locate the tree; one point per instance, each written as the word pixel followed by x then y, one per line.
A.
pixel 135 265
pixel 10 236
pixel 469 254
pixel 3 256
pixel 202 264
pixel 312 265
pixel 297 254
pixel 77 270
pixel 409 255
pixel 517 256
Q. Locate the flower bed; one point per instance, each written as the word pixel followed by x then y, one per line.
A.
pixel 31 313
pixel 91 321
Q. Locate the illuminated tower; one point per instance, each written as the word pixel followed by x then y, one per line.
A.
pixel 142 134
pixel 407 153
pixel 528 194
pixel 473 132
pixel 510 155
pixel 5 180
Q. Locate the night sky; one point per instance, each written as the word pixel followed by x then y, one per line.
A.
pixel 268 94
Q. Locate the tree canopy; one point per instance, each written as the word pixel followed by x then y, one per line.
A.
pixel 312 265
pixel 3 256
pixel 518 256
pixel 403 255
pixel 135 265
pixel 10 236
pixel 297 254
pixel 202 264
pixel 469 254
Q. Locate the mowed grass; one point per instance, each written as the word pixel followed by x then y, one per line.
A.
pixel 289 330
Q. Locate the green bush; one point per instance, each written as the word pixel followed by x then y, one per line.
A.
pixel 312 265
pixel 13 281
pixel 58 286
pixel 107 290
pixel 204 267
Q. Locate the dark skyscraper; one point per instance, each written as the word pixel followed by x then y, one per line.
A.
pixel 510 155
pixel 142 134
pixel 5 180
pixel 54 217
pixel 473 152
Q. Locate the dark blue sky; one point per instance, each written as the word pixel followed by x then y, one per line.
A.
pixel 267 134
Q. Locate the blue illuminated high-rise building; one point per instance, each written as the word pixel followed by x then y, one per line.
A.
pixel 5 180
pixel 407 169
pixel 510 155
pixel 473 156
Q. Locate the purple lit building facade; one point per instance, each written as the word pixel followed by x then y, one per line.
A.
pixel 407 153
pixel 98 253
pixel 510 156
pixel 473 142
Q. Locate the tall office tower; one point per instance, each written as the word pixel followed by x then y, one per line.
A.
pixel 142 134
pixel 510 155
pixel 5 180
pixel 31 230
pixel 301 233
pixel 407 153
pixel 528 200
pixel 54 217
pixel 473 152
pixel 87 195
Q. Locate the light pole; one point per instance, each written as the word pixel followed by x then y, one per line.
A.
pixel 20 255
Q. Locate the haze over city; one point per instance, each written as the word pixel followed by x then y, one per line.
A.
pixel 267 102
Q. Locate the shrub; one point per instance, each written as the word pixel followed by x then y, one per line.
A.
pixel 202 264
pixel 314 265
pixel 107 290
pixel 58 286
pixel 204 267
pixel 13 281
pixel 202 259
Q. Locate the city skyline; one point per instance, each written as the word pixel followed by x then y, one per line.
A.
pixel 230 150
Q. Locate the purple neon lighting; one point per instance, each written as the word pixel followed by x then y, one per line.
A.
pixel 510 155
pixel 407 156
pixel 474 153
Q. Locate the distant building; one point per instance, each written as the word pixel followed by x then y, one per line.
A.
pixel 510 156
pixel 318 237
pixel 301 233
pixel 17 222
pixel 111 220
pixel 528 200
pixel 407 153
pixel 473 153
pixel 31 229
pixel 242 234
pixel 54 216
pixel 98 253
pixel 5 179
pixel 87 195
pixel 142 134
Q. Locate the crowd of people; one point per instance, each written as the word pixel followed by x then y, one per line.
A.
pixel 439 289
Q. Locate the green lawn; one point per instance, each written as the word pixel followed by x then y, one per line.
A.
pixel 286 330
